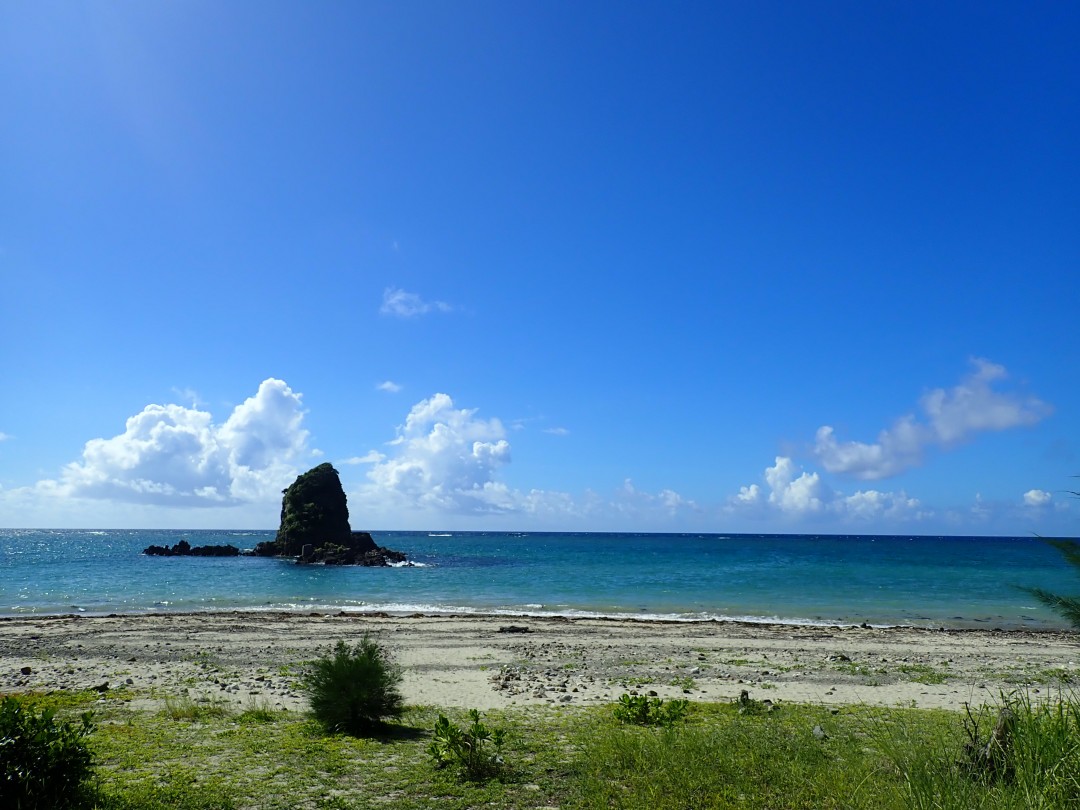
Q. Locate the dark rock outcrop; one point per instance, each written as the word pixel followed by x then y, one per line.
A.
pixel 185 549
pixel 340 555
pixel 314 511
pixel 315 525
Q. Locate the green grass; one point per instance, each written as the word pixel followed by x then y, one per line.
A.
pixel 293 763
pixel 922 673
pixel 1040 770
pixel 260 711
pixel 727 760
pixel 578 757
pixel 1054 675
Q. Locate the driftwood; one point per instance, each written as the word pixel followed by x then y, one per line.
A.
pixel 991 759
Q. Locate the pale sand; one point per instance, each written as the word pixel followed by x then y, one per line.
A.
pixel 250 659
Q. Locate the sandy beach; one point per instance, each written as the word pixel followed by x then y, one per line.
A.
pixel 486 662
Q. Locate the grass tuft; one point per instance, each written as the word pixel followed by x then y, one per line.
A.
pixel 184 707
pixel 260 711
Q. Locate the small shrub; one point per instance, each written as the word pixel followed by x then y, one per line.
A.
pixel 44 762
pixel 354 689
pixel 476 751
pixel 643 711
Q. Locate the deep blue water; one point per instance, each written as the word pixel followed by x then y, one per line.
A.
pixel 922 581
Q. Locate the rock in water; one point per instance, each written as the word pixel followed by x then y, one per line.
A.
pixel 314 512
pixel 185 549
pixel 315 525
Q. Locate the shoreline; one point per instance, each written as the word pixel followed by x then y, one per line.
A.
pixel 245 658
pixel 323 611
pixel 461 612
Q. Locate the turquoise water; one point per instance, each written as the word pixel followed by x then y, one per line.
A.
pixel 922 581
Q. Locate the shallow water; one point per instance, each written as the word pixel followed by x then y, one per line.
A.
pixel 921 581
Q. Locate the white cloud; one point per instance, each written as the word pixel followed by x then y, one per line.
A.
pixel 973 406
pixel 970 407
pixel 389 386
pixel 369 457
pixel 979 510
pixel 873 505
pixel 557 431
pixel 896 450
pixel 189 395
pixel 798 494
pixel 172 455
pixel 630 500
pixel 748 496
pixel 407 305
pixel 5 436
pixel 445 459
pixel 790 494
pixel 1036 497
pixel 444 465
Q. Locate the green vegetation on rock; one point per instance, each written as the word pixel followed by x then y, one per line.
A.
pixel 315 527
pixel 314 511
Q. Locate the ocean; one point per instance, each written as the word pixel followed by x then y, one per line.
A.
pixel 953 582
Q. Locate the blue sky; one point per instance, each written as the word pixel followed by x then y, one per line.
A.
pixel 806 267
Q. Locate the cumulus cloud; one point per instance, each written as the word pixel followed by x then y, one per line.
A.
pixel 802 494
pixel 404 304
pixel 874 505
pixel 788 492
pixel 445 462
pixel 973 406
pixel 1037 497
pixel 951 416
pixel 896 450
pixel 173 455
pixel 446 459
pixel 796 493
pixel 389 386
